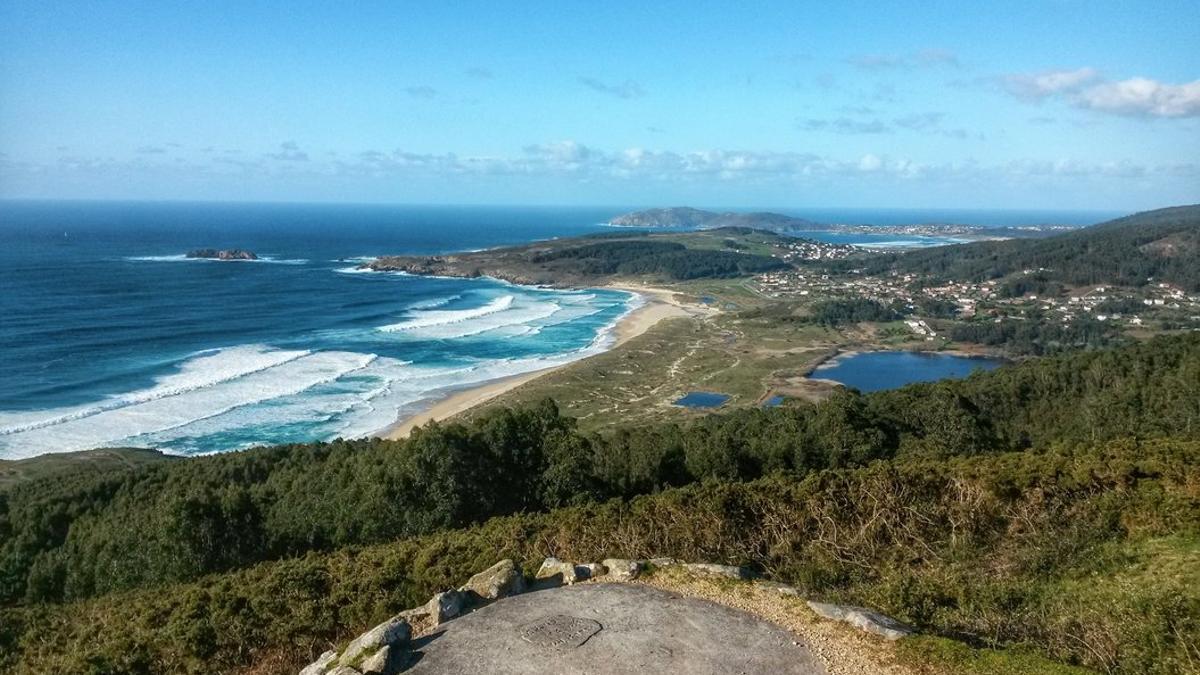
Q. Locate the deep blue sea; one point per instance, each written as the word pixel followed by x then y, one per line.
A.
pixel 109 336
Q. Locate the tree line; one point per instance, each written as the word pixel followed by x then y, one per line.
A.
pixel 1154 246
pixel 664 258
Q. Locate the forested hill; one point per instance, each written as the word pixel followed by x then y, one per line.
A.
pixel 1152 246
pixel 598 259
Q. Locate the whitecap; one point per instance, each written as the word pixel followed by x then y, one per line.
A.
pixel 182 399
pixel 204 369
pixel 439 317
pixel 184 258
pixel 435 302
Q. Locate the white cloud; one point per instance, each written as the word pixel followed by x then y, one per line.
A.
pixel 1038 86
pixel 845 125
pixel 923 58
pixel 870 163
pixel 1085 88
pixel 1143 97
pixel 627 169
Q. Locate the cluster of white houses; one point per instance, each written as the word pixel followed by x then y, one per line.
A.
pixel 807 249
pixel 982 299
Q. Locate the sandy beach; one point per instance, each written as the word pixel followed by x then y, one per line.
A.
pixel 658 304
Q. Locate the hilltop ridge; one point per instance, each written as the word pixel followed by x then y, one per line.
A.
pixel 1162 245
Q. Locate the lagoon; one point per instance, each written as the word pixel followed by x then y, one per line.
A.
pixel 702 399
pixel 875 371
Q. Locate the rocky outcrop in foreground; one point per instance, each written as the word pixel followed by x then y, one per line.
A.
pixel 222 254
pixel 386 648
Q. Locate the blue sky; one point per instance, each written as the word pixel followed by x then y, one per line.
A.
pixel 1055 104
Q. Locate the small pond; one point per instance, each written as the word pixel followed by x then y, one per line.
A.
pixel 874 371
pixel 702 399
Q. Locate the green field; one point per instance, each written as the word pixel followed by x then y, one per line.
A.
pixel 13 472
pixel 640 380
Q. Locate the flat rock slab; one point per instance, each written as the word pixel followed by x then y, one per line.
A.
pixel 609 629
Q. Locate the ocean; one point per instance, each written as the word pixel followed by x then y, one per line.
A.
pixel 110 336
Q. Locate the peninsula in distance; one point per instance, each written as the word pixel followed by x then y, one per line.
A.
pixel 763 338
pixel 688 217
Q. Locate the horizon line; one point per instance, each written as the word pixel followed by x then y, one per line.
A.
pixel 547 205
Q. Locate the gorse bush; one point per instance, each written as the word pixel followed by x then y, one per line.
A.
pixel 1057 551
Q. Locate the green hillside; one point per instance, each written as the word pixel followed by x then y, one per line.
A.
pixel 1161 245
pixel 1086 555
pixel 15 472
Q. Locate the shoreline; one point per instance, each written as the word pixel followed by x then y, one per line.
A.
pixel 657 305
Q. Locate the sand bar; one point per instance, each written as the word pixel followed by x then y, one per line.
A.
pixel 658 304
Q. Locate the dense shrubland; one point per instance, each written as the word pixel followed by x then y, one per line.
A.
pixel 853 310
pixel 1039 336
pixel 1086 553
pixel 672 260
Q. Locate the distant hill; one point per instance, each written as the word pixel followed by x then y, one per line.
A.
pixel 581 261
pixel 684 216
pixel 1161 245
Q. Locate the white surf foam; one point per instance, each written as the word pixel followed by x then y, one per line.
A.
pixel 205 369
pixel 519 314
pixel 353 270
pixel 436 302
pixel 171 403
pixel 440 317
pixel 184 258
